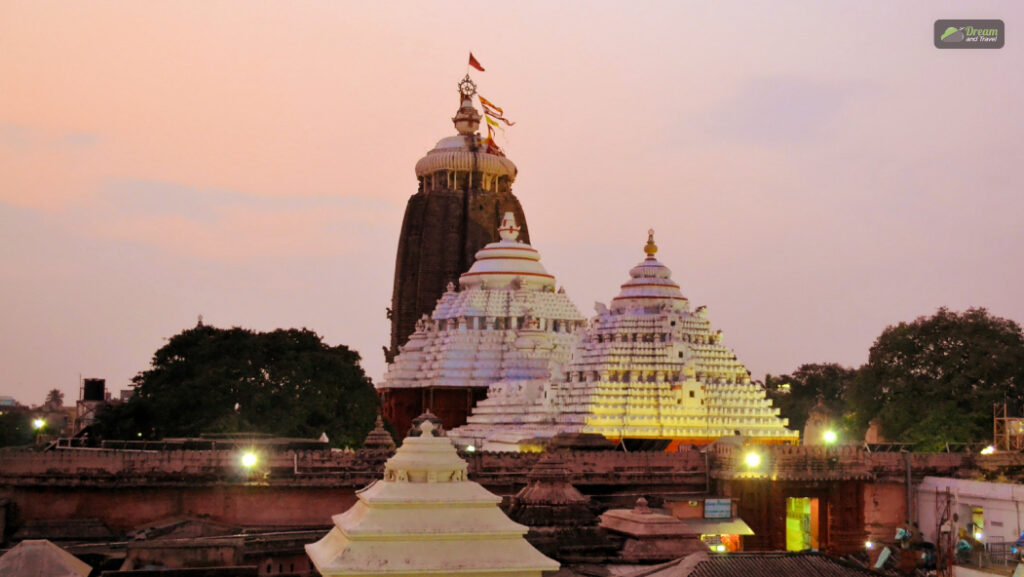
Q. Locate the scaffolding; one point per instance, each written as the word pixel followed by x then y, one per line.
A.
pixel 1007 430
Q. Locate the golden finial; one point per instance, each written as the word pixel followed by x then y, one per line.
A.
pixel 651 248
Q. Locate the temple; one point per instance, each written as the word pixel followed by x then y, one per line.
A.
pixel 507 328
pixel 465 186
pixel 647 371
pixel 426 518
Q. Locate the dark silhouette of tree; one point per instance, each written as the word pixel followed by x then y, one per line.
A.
pixel 285 382
pixel 54 399
pixel 936 379
pixel 810 383
pixel 16 428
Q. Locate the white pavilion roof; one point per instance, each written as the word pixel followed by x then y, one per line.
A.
pixel 425 518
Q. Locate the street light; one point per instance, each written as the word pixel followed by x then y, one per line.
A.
pixel 830 437
pixel 249 460
pixel 752 459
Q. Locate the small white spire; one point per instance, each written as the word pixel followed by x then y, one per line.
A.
pixel 509 230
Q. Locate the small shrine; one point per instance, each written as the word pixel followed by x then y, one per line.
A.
pixel 425 518
pixel 651 536
pixel 561 522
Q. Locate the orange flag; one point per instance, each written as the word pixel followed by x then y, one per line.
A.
pixel 475 63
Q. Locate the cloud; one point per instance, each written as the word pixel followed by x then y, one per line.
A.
pixel 773 111
pixel 21 138
pixel 226 225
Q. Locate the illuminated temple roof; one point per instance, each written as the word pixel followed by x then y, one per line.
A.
pixel 646 368
pixel 426 518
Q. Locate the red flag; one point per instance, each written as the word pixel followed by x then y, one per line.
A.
pixel 475 63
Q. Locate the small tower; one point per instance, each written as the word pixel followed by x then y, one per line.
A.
pixel 426 518
pixel 463 193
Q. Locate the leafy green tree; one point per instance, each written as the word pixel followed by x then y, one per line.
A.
pixel 936 379
pixel 809 384
pixel 285 382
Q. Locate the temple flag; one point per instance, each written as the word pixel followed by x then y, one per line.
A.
pixel 493 111
pixel 488 104
pixel 492 122
pixel 475 63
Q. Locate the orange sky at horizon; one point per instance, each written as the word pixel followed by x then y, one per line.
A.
pixel 813 172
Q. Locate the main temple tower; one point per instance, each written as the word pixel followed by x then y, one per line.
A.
pixel 465 187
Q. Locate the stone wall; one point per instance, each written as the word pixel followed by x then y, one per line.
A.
pixel 130 489
pixel 123 509
pixel 885 509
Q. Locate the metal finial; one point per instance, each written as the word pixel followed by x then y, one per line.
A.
pixel 467 88
pixel 651 249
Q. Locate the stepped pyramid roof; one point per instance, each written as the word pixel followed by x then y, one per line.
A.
pixel 506 323
pixel 426 518
pixel 647 367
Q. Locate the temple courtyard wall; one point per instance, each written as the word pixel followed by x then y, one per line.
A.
pixel 857 495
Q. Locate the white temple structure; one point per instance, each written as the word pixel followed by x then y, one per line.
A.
pixel 507 328
pixel 426 519
pixel 646 368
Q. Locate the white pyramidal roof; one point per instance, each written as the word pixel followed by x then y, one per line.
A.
pixel 41 557
pixel 646 367
pixel 507 323
pixel 425 518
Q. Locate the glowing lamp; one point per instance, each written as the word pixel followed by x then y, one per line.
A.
pixel 978 535
pixel 752 459
pixel 720 548
pixel 470 448
pixel 831 437
pixel 869 545
pixel 988 450
pixel 249 460
pixel 38 424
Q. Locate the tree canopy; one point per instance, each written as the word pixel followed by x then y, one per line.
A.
pixel 54 400
pixel 212 380
pixel 937 378
pixel 809 384
pixel 930 381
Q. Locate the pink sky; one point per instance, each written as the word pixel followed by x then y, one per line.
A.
pixel 814 171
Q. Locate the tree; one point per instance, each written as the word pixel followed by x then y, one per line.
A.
pixel 810 383
pixel 16 428
pixel 936 379
pixel 285 382
pixel 54 399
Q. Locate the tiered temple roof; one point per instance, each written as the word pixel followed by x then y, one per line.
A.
pixel 506 328
pixel 646 368
pixel 426 518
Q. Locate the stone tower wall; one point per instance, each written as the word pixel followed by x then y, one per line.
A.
pixel 441 232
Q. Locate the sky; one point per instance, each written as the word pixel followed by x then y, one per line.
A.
pixel 814 172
